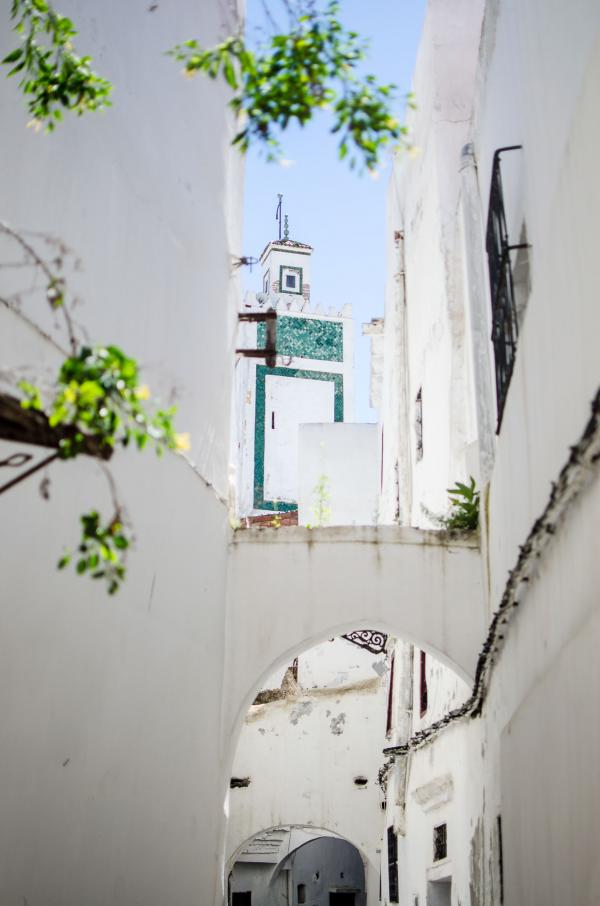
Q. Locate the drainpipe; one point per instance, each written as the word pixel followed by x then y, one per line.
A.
pixel 478 305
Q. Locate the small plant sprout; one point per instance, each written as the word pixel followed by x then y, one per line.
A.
pixel 276 520
pixel 464 512
pixel 321 510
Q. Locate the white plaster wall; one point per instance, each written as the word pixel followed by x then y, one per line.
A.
pixel 424 332
pixel 536 85
pixel 346 459
pixel 110 791
pixel 289 402
pixel 302 754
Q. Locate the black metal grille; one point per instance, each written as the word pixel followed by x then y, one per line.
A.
pixel 392 847
pixel 440 843
pixel 505 328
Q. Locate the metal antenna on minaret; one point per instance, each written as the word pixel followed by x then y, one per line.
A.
pixel 278 213
pixel 286 228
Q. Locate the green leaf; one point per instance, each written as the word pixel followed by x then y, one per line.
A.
pixel 13 55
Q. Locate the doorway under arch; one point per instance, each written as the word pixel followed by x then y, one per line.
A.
pixel 297 866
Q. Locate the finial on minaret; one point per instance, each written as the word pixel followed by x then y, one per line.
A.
pixel 278 213
pixel 286 228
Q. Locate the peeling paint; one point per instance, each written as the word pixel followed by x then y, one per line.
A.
pixel 476 863
pixel 302 709
pixel 337 724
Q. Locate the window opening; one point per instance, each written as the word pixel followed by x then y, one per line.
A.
pixel 390 701
pixel 423 703
pixel 505 324
pixel 419 424
pixel 301 893
pixel 500 858
pixel 241 898
pixel 440 843
pixel 266 282
pixel 392 843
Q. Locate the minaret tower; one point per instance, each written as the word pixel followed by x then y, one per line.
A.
pixel 309 379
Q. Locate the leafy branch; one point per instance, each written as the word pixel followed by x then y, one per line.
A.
pixel 53 77
pixel 99 394
pixel 291 75
pixel 95 404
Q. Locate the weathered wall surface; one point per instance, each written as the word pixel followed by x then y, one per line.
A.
pixel 109 791
pixel 304 752
pixel 302 586
pixel 339 474
pixel 535 771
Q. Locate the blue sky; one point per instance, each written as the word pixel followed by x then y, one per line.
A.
pixel 339 212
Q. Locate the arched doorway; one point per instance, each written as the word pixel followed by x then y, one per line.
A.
pixel 297 866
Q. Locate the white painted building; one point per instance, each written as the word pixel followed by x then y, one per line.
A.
pixel 491 233
pixel 120 719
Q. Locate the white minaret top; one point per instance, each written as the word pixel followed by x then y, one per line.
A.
pixel 285 266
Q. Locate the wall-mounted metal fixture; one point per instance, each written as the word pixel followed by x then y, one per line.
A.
pixel 269 352
pixel 238 783
pixel 371 639
pixel 244 261
pixel 505 328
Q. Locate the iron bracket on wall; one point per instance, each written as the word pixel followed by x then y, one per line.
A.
pixel 371 639
pixel 269 352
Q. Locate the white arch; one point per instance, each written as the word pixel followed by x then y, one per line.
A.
pixel 313 832
pixel 291 589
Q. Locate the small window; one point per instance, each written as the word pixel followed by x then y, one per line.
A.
pixel 419 424
pixel 500 857
pixel 440 843
pixel 266 282
pixel 301 893
pixel 390 702
pixel 423 684
pixel 290 279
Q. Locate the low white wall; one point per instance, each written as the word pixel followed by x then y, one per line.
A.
pixel 338 474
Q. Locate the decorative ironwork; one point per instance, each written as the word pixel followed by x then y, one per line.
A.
pixel 505 327
pixel 371 639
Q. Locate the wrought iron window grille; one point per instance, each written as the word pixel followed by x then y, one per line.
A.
pixel 440 842
pixel 505 327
